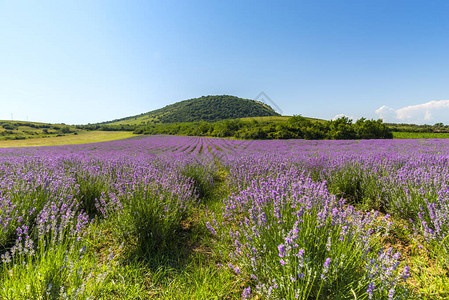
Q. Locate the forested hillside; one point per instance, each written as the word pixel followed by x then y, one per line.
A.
pixel 206 108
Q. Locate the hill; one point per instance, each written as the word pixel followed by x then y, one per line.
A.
pixel 206 108
pixel 25 134
pixel 20 130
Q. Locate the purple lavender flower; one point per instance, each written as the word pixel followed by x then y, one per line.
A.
pixel 325 268
pixel 281 249
pixel 370 290
pixel 246 293
pixel 391 293
pixel 406 273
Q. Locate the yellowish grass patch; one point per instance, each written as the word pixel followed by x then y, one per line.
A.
pixel 81 138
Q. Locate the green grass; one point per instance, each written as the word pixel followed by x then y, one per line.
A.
pixel 13 130
pixel 421 135
pixel 27 122
pixel 277 119
pixel 81 138
pixel 267 119
pixel 136 120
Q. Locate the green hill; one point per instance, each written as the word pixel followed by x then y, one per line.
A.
pixel 20 130
pixel 206 108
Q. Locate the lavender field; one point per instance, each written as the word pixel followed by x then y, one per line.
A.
pixel 205 218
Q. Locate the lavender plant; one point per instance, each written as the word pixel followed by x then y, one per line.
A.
pixel 291 239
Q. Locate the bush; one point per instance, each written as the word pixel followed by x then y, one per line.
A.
pixel 202 178
pixel 66 129
pixel 9 126
pixel 150 220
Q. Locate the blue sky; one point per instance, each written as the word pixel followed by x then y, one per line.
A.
pixel 82 62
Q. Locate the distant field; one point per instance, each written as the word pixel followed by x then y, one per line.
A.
pixel 276 119
pixel 266 119
pixel 136 121
pixel 420 135
pixel 82 138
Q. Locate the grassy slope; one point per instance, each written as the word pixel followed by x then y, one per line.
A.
pixel 82 138
pixel 28 122
pixel 420 135
pixel 26 130
pixel 276 119
pixel 135 121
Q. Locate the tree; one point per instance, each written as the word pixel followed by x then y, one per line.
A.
pixel 341 129
pixel 371 129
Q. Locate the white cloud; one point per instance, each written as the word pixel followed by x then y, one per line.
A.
pixel 342 115
pixel 429 113
pixel 386 113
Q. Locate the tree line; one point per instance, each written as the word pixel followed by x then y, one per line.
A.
pixel 297 127
pixel 438 127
